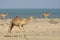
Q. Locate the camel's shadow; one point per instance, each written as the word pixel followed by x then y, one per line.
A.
pixel 13 36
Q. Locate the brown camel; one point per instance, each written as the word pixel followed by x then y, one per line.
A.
pixel 17 21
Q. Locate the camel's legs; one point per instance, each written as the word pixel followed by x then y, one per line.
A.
pixel 23 32
pixel 10 28
pixel 19 29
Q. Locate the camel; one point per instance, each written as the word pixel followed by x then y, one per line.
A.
pixel 17 21
pixel 20 22
pixel 2 15
pixel 44 15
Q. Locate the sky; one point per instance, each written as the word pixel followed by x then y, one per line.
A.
pixel 18 4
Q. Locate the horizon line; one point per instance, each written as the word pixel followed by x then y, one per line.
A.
pixel 29 8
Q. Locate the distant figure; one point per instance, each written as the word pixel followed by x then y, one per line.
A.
pixel 30 18
pixel 2 15
pixel 17 21
pixel 44 15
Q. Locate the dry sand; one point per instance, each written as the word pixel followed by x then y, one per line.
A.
pixel 43 29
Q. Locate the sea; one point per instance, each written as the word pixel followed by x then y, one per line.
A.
pixel 54 13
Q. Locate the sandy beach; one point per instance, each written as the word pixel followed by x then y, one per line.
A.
pixel 42 29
